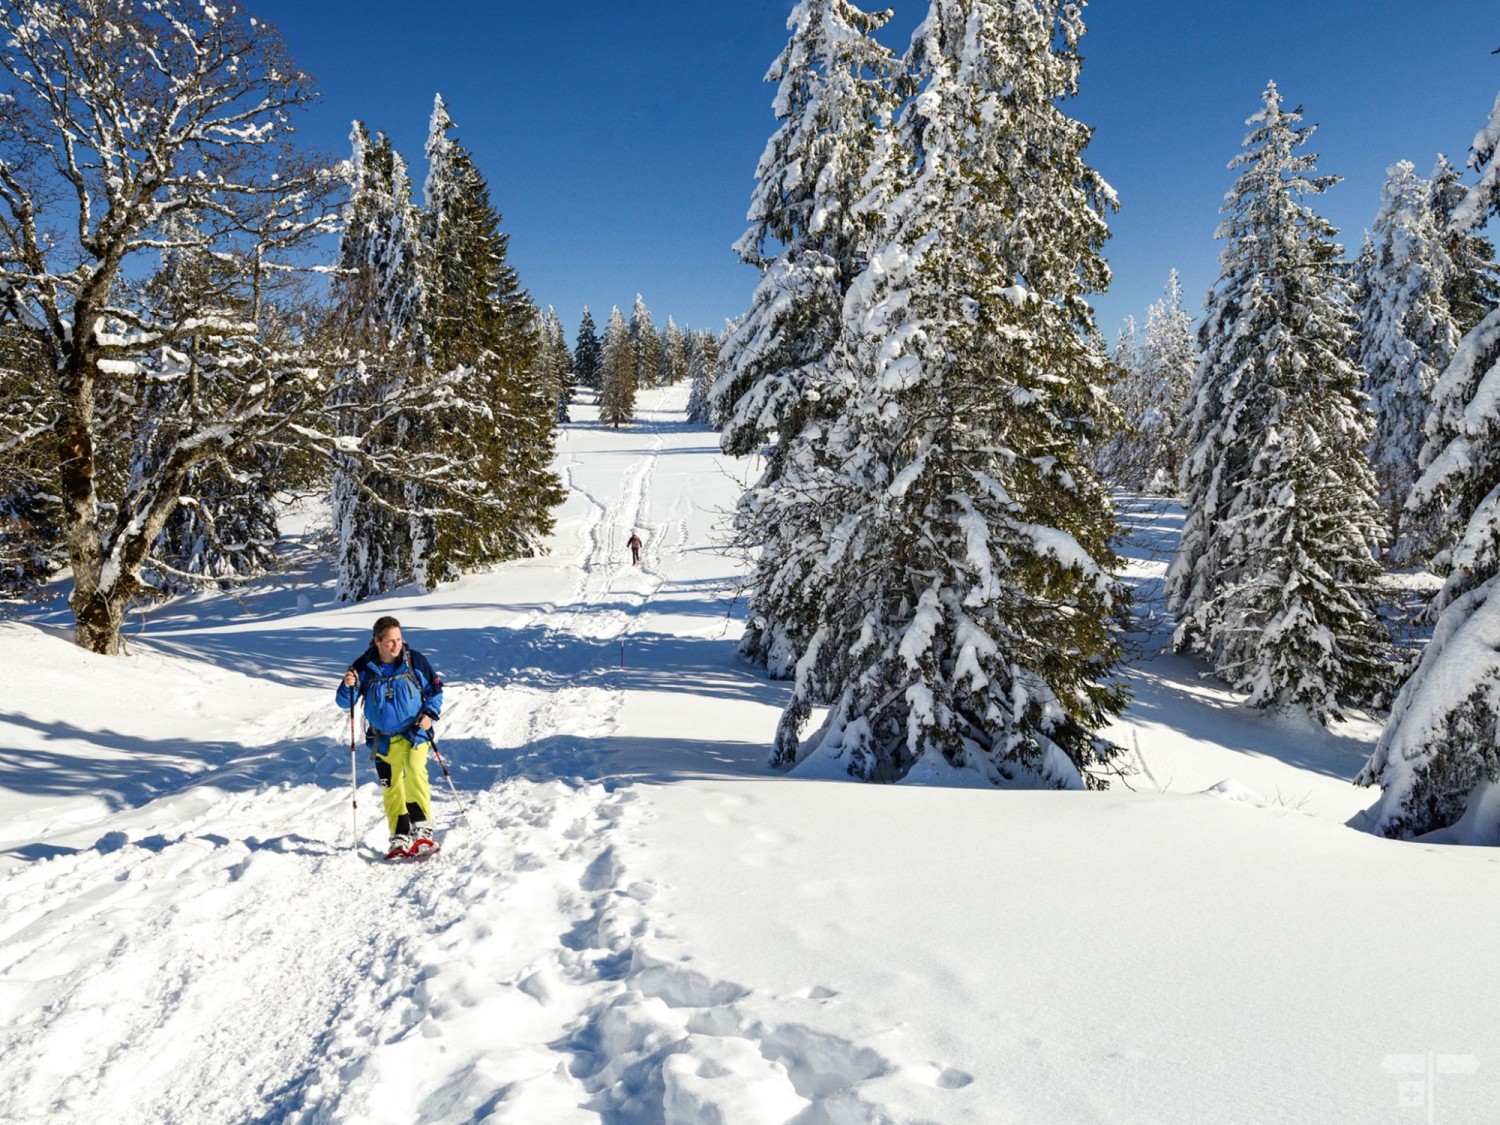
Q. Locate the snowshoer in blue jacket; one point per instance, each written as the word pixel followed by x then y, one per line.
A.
pixel 402 697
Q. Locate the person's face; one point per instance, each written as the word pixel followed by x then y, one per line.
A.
pixel 389 645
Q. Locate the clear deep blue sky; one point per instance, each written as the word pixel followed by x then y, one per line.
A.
pixel 620 139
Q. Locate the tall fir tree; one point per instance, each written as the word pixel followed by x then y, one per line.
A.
pixel 836 91
pixel 834 100
pixel 478 321
pixel 617 373
pixel 377 301
pixel 1440 751
pixel 703 372
pixel 949 544
pixel 1120 458
pixel 1169 358
pixel 1434 520
pixel 1405 334
pixel 586 353
pixel 555 361
pixel 674 360
pixel 1474 278
pixel 646 342
pixel 1274 578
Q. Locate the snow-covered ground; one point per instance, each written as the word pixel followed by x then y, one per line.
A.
pixel 641 923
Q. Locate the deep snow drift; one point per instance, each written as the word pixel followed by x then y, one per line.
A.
pixel 644 924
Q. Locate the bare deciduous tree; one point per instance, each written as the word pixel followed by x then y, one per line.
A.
pixel 133 131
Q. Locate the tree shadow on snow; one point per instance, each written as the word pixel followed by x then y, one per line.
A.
pixel 132 771
pixel 1165 693
pixel 536 655
pixel 612 761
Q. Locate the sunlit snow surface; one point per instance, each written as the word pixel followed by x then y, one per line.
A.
pixel 646 925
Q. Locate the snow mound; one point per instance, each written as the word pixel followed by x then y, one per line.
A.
pixel 935 770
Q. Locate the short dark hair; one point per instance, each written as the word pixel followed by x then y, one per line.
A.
pixel 384 625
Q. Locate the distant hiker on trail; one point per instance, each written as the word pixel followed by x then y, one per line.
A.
pixel 402 696
pixel 634 543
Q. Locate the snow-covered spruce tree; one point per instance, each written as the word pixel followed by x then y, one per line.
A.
pixel 953 547
pixel 479 323
pixel 1441 747
pixel 1156 373
pixel 1119 459
pixel 1435 520
pixel 1405 333
pixel 586 353
pixel 1168 359
pixel 1474 276
pixel 835 96
pixel 555 361
pixel 646 342
pixel 617 373
pixel 377 306
pixel 673 354
pixel 1274 579
pixel 703 372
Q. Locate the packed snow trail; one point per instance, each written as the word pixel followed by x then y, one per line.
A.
pixel 507 979
pixel 647 926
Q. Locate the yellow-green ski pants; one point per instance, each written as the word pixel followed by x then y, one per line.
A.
pixel 403 780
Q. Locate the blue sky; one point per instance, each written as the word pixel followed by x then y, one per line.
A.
pixel 620 140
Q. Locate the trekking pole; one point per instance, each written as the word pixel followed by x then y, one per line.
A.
pixel 432 734
pixel 353 780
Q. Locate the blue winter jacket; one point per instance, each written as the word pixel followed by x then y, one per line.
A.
pixel 395 695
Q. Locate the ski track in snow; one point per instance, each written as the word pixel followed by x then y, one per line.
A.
pixel 520 976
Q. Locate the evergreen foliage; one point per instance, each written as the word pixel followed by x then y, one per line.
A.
pixel 1274 579
pixel 836 90
pixel 646 342
pixel 1168 360
pixel 377 309
pixel 30 513
pixel 587 353
pixel 674 358
pixel 1405 335
pixel 1473 284
pixel 1439 749
pixel 947 551
pixel 617 368
pixel 1156 371
pixel 555 362
pixel 480 325
pixel 703 372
